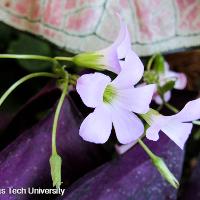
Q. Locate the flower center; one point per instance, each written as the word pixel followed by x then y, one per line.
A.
pixel 109 94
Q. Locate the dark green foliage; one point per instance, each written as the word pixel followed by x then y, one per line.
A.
pixel 26 44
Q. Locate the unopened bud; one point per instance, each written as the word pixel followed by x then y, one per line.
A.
pixel 55 164
pixel 164 171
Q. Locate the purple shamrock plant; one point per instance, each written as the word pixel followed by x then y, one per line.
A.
pixel 177 127
pixel 118 50
pixel 158 72
pixel 180 82
pixel 108 58
pixel 116 102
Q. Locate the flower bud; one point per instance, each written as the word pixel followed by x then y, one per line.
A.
pixel 55 164
pixel 164 171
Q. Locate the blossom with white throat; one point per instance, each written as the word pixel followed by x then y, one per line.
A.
pixel 180 80
pixel 177 127
pixel 114 103
pixel 110 57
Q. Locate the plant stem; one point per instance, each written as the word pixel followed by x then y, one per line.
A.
pixel 56 117
pixel 161 166
pixel 147 150
pixel 160 107
pixel 22 80
pixel 27 57
pixel 149 64
pixel 63 58
pixel 172 108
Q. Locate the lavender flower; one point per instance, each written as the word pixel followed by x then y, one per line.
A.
pixel 180 80
pixel 114 103
pixel 177 127
pixel 110 57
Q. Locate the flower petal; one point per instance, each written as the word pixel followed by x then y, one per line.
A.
pixel 156 123
pixel 97 126
pixel 136 99
pixel 152 132
pixel 181 81
pixel 122 33
pixel 125 45
pixel 121 149
pixel 159 101
pixel 128 126
pixel 178 132
pixel 118 49
pixel 180 78
pixel 166 66
pixel 132 71
pixel 111 60
pixel 91 87
pixel 190 112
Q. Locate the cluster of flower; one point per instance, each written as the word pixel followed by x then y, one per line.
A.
pixel 123 102
pixel 116 101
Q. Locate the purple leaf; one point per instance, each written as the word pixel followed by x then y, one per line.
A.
pixel 25 118
pixel 25 162
pixel 131 176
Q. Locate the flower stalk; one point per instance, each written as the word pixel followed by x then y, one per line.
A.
pixel 149 64
pixel 86 60
pixel 24 79
pixel 160 165
pixel 55 159
pixel 170 107
pixel 147 150
pixel 30 57
pixel 62 58
pixel 55 122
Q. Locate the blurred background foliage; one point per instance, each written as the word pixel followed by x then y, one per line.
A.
pixel 17 42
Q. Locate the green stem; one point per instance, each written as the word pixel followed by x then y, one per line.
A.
pixel 161 166
pixel 56 117
pixel 160 107
pixel 27 57
pixel 63 58
pixel 149 64
pixel 172 108
pixel 147 150
pixel 22 80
